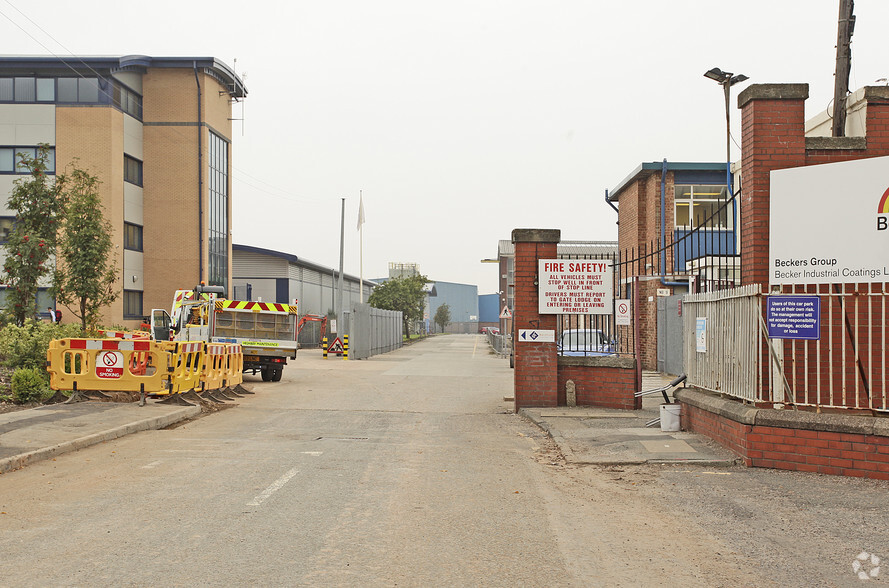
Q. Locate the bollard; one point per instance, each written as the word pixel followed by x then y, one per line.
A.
pixel 345 347
pixel 324 347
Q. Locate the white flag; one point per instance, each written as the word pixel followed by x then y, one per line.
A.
pixel 360 211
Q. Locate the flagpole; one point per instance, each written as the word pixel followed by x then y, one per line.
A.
pixel 360 246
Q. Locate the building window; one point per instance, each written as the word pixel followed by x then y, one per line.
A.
pixel 132 170
pixel 11 159
pixel 6 224
pixel 46 90
pixel 695 205
pixel 71 90
pixel 218 218
pixel 132 304
pixel 79 90
pixel 128 101
pixel 132 237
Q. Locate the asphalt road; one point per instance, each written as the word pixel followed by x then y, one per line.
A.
pixel 409 469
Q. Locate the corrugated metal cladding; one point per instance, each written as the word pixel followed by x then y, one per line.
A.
pixel 462 300
pixel 246 264
pixel 280 277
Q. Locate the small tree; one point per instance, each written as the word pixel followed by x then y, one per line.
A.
pixel 443 316
pixel 406 294
pixel 86 269
pixel 39 205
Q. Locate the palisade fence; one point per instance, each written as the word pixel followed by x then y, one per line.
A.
pixel 723 341
pixel 372 331
pixel 728 349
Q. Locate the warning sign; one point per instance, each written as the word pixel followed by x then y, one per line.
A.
pixel 575 286
pixel 505 313
pixel 109 364
pixel 336 347
pixel 622 312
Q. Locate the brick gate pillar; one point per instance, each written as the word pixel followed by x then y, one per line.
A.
pixel 536 364
pixel 773 125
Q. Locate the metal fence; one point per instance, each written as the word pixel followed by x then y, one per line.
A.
pixel 497 343
pixel 723 341
pixel 373 331
pixel 845 367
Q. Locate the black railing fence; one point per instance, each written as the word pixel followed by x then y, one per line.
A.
pixel 703 257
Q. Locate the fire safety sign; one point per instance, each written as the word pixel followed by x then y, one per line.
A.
pixel 575 286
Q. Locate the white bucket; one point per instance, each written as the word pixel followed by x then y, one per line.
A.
pixel 670 417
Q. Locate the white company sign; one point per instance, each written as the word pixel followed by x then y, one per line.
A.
pixel 830 223
pixel 575 286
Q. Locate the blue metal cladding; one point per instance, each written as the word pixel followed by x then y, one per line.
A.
pixel 700 244
pixel 489 308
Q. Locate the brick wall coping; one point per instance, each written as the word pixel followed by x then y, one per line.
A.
pixel 598 361
pixel 787 418
pixel 835 143
pixel 773 92
pixel 536 235
pixel 876 93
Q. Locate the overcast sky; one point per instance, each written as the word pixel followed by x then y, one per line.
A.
pixel 461 120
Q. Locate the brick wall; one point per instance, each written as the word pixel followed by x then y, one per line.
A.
pixel 173 228
pixel 94 136
pixel 596 383
pixel 809 442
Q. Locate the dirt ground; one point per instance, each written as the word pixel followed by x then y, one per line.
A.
pixel 718 526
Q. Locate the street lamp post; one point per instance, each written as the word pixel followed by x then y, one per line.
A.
pixel 726 79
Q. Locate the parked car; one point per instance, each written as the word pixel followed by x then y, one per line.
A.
pixel 585 342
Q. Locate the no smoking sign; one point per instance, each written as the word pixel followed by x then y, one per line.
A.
pixel 622 312
pixel 109 364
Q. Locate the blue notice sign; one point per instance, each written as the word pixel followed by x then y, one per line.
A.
pixel 794 317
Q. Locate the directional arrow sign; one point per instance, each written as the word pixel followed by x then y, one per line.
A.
pixel 537 336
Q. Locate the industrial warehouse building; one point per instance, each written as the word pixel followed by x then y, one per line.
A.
pixel 156 131
pixel 272 276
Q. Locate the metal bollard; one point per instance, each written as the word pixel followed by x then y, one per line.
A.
pixel 324 347
pixel 345 347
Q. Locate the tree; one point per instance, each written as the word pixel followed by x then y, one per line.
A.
pixel 86 270
pixel 405 294
pixel 39 206
pixel 443 316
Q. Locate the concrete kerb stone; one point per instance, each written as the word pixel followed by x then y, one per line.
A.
pixel 159 422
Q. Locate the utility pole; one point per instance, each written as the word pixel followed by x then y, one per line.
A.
pixel 845 28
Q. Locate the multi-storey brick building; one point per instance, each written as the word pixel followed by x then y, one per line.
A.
pixel 156 131
pixel 671 233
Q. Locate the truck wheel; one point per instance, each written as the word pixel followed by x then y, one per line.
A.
pixel 276 374
pixel 266 374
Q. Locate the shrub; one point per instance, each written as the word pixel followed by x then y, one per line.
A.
pixel 25 346
pixel 28 385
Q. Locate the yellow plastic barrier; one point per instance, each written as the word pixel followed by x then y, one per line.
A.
pixel 213 374
pixel 134 335
pixel 234 365
pixel 107 365
pixel 186 365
